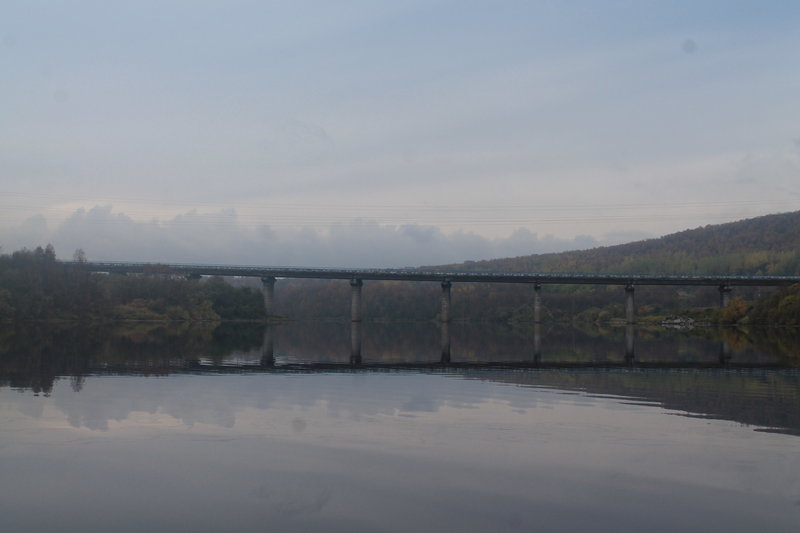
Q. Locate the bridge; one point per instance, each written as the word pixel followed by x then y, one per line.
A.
pixel 269 275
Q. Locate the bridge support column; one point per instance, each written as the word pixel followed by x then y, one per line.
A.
pixel 445 342
pixel 724 353
pixel 446 301
pixel 355 343
pixel 268 291
pixel 724 295
pixel 630 336
pixel 537 342
pixel 355 299
pixel 268 347
pixel 537 303
pixel 630 309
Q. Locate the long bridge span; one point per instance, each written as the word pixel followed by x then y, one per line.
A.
pixel 269 275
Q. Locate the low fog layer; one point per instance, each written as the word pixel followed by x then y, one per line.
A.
pixel 219 238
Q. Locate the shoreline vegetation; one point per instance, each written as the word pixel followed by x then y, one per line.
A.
pixel 34 286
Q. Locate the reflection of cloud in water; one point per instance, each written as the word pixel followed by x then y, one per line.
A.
pixel 219 400
pixel 421 403
pixel 299 425
pixel 294 494
pixel 103 400
pixel 296 404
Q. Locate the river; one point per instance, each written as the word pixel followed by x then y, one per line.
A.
pixel 398 427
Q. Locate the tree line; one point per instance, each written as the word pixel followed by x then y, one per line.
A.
pixel 34 285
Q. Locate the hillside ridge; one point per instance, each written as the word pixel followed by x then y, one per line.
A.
pixel 765 245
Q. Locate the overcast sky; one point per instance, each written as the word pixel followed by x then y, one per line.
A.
pixel 367 133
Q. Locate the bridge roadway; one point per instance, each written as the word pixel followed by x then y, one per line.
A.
pixel 269 275
pixel 401 274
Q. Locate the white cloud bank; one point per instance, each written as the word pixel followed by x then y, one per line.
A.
pixel 221 239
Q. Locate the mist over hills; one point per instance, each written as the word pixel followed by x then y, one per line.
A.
pixel 34 286
pixel 766 245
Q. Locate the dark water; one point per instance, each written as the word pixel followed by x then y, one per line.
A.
pixel 398 427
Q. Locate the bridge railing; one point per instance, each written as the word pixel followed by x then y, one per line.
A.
pixel 407 274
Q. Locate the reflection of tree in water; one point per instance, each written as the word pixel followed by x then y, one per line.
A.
pixel 784 342
pixel 764 398
pixel 33 356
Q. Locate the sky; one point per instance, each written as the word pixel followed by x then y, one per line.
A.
pixel 368 133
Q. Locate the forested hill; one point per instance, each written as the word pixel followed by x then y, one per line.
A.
pixel 767 245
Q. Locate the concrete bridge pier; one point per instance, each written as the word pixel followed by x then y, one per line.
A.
pixel 537 303
pixel 630 309
pixel 725 354
pixel 537 342
pixel 630 337
pixel 355 342
pixel 446 301
pixel 268 347
pixel 724 295
pixel 445 342
pixel 355 299
pixel 268 291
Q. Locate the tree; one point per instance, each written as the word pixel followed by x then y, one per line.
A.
pixel 734 311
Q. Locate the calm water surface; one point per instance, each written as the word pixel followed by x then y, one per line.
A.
pixel 238 429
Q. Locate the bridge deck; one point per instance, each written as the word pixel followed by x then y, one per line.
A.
pixel 438 275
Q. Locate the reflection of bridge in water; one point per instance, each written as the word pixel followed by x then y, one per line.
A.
pixel 269 276
pixel 356 277
pixel 268 360
pixel 759 372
